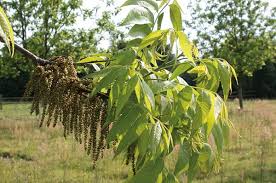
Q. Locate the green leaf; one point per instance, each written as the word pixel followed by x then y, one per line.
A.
pixel 206 101
pixel 218 136
pixel 159 21
pixel 6 32
pixel 144 141
pixel 193 165
pixel 161 86
pixel 152 37
pixel 140 31
pixel 163 3
pixel 215 110
pixel 160 178
pixel 139 16
pixel 183 67
pixel 186 97
pixel 200 69
pixel 211 118
pixel 132 134
pixel 224 112
pixel 134 42
pixel 138 91
pixel 178 5
pixel 205 159
pixel 125 57
pixel 156 134
pixel 182 163
pixel 119 82
pixel 234 74
pixel 144 3
pixel 212 74
pixel 176 18
pixel 130 114
pixel 195 51
pixel 92 59
pixel 185 45
pixel 172 38
pixel 225 131
pixel 203 107
pixel 148 93
pixel 166 137
pixel 130 86
pixel 114 93
pixel 149 172
pixel 171 178
pixel 225 77
pixel 109 79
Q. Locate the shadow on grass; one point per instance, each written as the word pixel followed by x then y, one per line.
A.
pixel 17 156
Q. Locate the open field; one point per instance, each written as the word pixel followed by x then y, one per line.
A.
pixel 32 154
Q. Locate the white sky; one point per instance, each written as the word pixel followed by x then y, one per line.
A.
pixel 90 4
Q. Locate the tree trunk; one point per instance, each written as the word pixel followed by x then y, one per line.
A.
pixel 240 95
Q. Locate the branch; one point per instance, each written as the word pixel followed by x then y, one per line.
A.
pixel 37 60
pixel 29 55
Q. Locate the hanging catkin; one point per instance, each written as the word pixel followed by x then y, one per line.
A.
pixel 61 97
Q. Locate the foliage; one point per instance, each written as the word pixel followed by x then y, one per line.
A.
pixel 236 30
pixel 152 111
pixel 6 32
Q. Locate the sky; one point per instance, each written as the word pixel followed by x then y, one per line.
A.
pixel 90 4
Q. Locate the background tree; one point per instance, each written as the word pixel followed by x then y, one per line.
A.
pixel 236 30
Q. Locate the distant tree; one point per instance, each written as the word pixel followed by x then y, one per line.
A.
pixel 235 30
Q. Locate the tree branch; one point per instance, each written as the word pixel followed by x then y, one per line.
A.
pixel 37 60
pixel 31 56
pixel 26 53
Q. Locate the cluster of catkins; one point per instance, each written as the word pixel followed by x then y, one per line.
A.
pixel 60 96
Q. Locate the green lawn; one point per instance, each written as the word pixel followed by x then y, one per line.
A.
pixel 32 154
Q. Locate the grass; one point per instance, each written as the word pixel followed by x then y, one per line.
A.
pixel 32 154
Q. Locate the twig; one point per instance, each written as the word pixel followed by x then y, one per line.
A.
pixel 35 59
pixel 29 55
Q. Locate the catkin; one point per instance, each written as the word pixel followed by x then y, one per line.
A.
pixel 61 97
pixel 130 157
